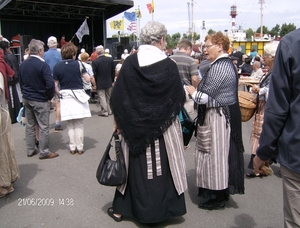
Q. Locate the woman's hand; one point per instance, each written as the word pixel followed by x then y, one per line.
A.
pixel 255 89
pixel 116 128
pixel 190 89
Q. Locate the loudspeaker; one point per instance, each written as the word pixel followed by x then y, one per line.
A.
pixel 120 48
pixel 111 40
pixel 125 41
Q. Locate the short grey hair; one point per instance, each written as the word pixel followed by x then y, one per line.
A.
pixel 271 48
pixel 52 42
pixel 99 50
pixel 152 32
pixel 35 46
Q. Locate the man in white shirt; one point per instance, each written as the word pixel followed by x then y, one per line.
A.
pixel 257 72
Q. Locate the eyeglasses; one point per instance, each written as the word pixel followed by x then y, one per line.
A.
pixel 208 46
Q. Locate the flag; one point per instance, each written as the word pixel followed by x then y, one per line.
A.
pixel 83 30
pixel 132 27
pixel 150 7
pixel 138 13
pixel 117 25
pixel 130 16
pixel 3 3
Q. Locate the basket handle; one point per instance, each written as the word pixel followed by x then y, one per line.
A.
pixel 246 83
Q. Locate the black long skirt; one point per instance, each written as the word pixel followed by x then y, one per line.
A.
pixel 149 200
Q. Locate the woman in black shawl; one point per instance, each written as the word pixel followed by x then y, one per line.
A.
pixel 146 100
pixel 219 146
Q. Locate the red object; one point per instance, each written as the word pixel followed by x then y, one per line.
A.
pixel 150 7
pixel 15 41
pixel 94 56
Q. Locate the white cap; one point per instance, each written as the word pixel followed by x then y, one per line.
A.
pixel 106 50
pixel 125 51
pixel 52 41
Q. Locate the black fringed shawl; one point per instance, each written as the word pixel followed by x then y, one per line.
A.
pixel 221 83
pixel 145 101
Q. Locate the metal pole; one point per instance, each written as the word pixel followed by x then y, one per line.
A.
pixel 192 21
pixel 104 29
pixel 261 17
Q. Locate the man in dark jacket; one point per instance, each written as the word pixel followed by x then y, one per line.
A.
pixel 104 73
pixel 281 128
pixel 38 89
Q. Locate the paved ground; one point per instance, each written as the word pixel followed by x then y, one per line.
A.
pixel 63 192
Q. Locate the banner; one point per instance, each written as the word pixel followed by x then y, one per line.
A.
pixel 117 25
pixel 83 30
pixel 138 13
pixel 3 3
pixel 130 16
pixel 150 7
pixel 132 27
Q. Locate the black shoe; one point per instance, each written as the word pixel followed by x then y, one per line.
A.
pixel 34 153
pixel 212 204
pixel 227 197
pixel 110 212
pixel 252 175
pixel 37 143
pixel 58 128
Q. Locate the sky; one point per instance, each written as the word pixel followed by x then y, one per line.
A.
pixel 216 14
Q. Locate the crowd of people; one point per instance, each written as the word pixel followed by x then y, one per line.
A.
pixel 145 104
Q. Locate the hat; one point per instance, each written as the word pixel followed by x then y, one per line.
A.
pixel 52 41
pixel 234 58
pixel 106 50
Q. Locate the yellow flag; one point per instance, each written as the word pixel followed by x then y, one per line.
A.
pixel 117 25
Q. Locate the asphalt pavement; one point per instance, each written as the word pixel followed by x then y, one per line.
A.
pixel 63 192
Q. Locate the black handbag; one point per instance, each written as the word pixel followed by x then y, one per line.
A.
pixel 112 172
pixel 188 125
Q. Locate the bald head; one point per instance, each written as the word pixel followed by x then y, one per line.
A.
pixel 256 64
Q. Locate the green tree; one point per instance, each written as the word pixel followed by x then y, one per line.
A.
pixel 275 31
pixel 176 38
pixel 189 36
pixel 286 28
pixel 211 31
pixel 184 36
pixel 132 37
pixel 264 28
pixel 169 41
pixel 249 33
pixel 173 40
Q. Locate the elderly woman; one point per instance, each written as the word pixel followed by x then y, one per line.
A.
pixel 9 171
pixel 219 146
pixel 88 86
pixel 145 106
pixel 74 101
pixel 261 91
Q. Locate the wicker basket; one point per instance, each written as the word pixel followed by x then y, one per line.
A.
pixel 247 103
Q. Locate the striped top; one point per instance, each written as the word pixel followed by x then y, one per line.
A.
pixel 186 66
